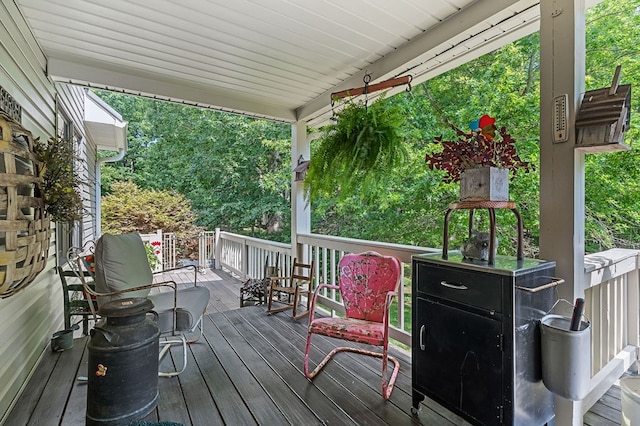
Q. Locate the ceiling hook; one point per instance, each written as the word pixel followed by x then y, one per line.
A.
pixel 408 88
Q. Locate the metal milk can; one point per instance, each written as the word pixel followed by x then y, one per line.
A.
pixel 123 363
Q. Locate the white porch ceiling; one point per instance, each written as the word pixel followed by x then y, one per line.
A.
pixel 278 59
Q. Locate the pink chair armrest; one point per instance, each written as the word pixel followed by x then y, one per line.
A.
pixel 387 310
pixel 312 307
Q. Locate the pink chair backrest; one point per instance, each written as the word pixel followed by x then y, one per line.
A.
pixel 365 280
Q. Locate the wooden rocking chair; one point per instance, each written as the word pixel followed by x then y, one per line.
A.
pixel 290 290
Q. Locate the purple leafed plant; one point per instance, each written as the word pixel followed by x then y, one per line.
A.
pixel 474 149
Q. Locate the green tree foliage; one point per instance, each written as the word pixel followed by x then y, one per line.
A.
pixel 612 189
pixel 131 209
pixel 411 201
pixel 233 169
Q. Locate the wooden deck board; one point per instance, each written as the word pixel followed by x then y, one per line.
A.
pixel 171 401
pixel 248 370
pixel 34 390
pixel 74 413
pixel 200 404
pixel 315 399
pixel 291 349
pixel 229 403
pixel 278 394
pixel 351 377
pixel 251 390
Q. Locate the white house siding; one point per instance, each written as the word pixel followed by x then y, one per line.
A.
pixel 71 99
pixel 89 153
pixel 28 318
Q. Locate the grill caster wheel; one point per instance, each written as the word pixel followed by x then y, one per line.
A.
pixel 415 411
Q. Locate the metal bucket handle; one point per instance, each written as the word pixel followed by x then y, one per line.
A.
pixel 570 304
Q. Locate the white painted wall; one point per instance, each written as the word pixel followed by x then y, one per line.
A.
pixel 28 318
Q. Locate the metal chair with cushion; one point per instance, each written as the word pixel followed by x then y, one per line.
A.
pixel 122 271
pixel 367 284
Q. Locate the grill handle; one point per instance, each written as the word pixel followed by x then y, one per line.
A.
pixel 453 286
pixel 555 282
pixel 422 330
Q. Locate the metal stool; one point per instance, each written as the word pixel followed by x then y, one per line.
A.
pixel 491 206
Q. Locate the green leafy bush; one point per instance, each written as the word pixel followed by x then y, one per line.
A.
pixel 151 256
pixel 131 209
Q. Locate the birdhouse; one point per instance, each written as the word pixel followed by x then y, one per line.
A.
pixel 603 118
pixel 301 169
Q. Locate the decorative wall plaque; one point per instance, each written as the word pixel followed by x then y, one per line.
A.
pixel 10 106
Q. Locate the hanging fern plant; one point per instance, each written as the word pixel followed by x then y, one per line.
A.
pixel 364 143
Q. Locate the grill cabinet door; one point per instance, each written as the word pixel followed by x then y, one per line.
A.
pixel 461 363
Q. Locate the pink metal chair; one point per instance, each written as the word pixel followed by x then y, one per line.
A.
pixel 367 284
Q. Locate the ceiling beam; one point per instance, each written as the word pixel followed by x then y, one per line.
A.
pixel 99 75
pixel 409 53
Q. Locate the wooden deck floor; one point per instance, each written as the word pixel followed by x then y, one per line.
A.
pixel 248 370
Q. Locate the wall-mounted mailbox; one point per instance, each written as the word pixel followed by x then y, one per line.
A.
pixel 603 118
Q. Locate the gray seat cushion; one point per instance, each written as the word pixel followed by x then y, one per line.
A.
pixel 192 302
pixel 121 263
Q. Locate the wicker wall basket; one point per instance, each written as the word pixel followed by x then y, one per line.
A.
pixel 24 224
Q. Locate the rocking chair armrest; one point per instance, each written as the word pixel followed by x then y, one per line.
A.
pixel 278 278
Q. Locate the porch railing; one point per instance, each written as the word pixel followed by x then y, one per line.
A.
pixel 247 257
pixel 206 249
pixel 164 245
pixel 611 289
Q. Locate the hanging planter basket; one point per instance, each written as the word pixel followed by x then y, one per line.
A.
pixel 24 223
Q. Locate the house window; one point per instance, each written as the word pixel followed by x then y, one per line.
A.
pixel 67 235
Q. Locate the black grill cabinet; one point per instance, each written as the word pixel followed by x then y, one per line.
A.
pixel 476 337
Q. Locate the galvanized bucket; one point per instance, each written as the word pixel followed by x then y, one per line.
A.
pixel 566 357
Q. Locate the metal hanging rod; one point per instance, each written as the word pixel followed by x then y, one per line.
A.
pixel 387 84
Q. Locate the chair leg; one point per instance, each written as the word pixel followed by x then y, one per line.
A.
pixel 198 324
pixel 182 340
pixel 272 310
pixel 296 303
pixel 387 386
pixel 269 299
pixel 165 349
